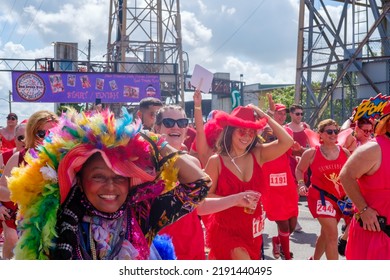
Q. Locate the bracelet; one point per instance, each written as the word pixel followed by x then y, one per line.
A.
pixel 198 108
pixel 301 181
pixel 363 210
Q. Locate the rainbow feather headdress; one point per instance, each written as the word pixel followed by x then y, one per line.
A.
pixel 42 185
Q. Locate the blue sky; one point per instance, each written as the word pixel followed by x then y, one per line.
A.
pixel 256 38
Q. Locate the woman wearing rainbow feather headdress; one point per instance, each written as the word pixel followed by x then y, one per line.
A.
pixel 99 188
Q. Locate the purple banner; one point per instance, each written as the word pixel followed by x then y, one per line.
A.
pixel 76 87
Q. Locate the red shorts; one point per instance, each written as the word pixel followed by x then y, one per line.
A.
pixel 319 210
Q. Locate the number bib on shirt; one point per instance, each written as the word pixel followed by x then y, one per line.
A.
pixel 278 180
pixel 326 209
pixel 258 225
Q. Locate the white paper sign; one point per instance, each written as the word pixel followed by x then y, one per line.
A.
pixel 201 78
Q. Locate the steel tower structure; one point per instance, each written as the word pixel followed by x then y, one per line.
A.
pixel 144 36
pixel 343 59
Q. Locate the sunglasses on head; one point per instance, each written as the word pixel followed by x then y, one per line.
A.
pixel 11 118
pixel 169 123
pixel 41 133
pixel 299 114
pixel 20 138
pixel 331 131
pixel 242 132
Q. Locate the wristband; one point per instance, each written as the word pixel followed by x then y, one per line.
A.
pixel 301 181
pixel 363 210
pixel 198 108
pixel 163 144
pixel 357 215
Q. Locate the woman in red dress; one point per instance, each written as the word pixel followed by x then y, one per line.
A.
pixel 236 233
pixel 325 162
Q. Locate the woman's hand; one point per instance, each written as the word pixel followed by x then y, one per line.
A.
pixel 197 98
pixel 248 199
pixel 258 111
pixel 302 190
pixel 4 215
pixel 271 102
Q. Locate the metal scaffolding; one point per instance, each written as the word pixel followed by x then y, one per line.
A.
pixel 145 35
pixel 343 59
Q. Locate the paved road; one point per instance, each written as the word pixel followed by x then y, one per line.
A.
pixel 302 243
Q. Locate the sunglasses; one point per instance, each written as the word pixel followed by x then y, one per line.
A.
pixel 169 123
pixel 41 133
pixel 331 131
pixel 299 114
pixel 20 138
pixel 11 118
pixel 367 131
pixel 250 132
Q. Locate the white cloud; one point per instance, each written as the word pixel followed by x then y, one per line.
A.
pixel 229 11
pixel 194 33
pixel 253 38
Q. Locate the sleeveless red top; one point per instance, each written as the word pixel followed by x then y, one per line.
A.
pixel 7 144
pixel 369 245
pixel 233 227
pixel 325 173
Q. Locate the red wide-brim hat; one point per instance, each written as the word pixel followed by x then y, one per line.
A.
pixel 244 117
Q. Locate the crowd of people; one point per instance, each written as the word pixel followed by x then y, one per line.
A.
pixel 91 185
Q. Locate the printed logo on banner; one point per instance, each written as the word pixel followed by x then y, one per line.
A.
pixel 30 87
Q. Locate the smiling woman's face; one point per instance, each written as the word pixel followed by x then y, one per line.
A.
pixel 104 189
pixel 174 135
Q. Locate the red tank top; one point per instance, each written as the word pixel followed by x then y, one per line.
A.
pixel 325 173
pixel 7 144
pixel 229 183
pixel 376 187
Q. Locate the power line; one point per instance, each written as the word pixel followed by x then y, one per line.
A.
pixel 16 24
pixel 40 5
pixel 10 13
pixel 239 28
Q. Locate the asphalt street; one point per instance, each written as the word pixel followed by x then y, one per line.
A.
pixel 302 243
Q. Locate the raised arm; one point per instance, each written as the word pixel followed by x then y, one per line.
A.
pixel 275 149
pixel 203 151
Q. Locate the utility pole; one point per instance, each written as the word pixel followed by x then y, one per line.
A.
pixel 10 100
pixel 89 55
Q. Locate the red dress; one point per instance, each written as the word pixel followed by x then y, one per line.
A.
pixel 281 200
pixel 325 175
pixel 13 207
pixel 7 144
pixel 187 237
pixel 233 228
pixel 368 245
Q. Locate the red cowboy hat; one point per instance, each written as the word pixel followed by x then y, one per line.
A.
pixel 240 117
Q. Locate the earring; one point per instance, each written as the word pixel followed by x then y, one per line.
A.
pixel 321 141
